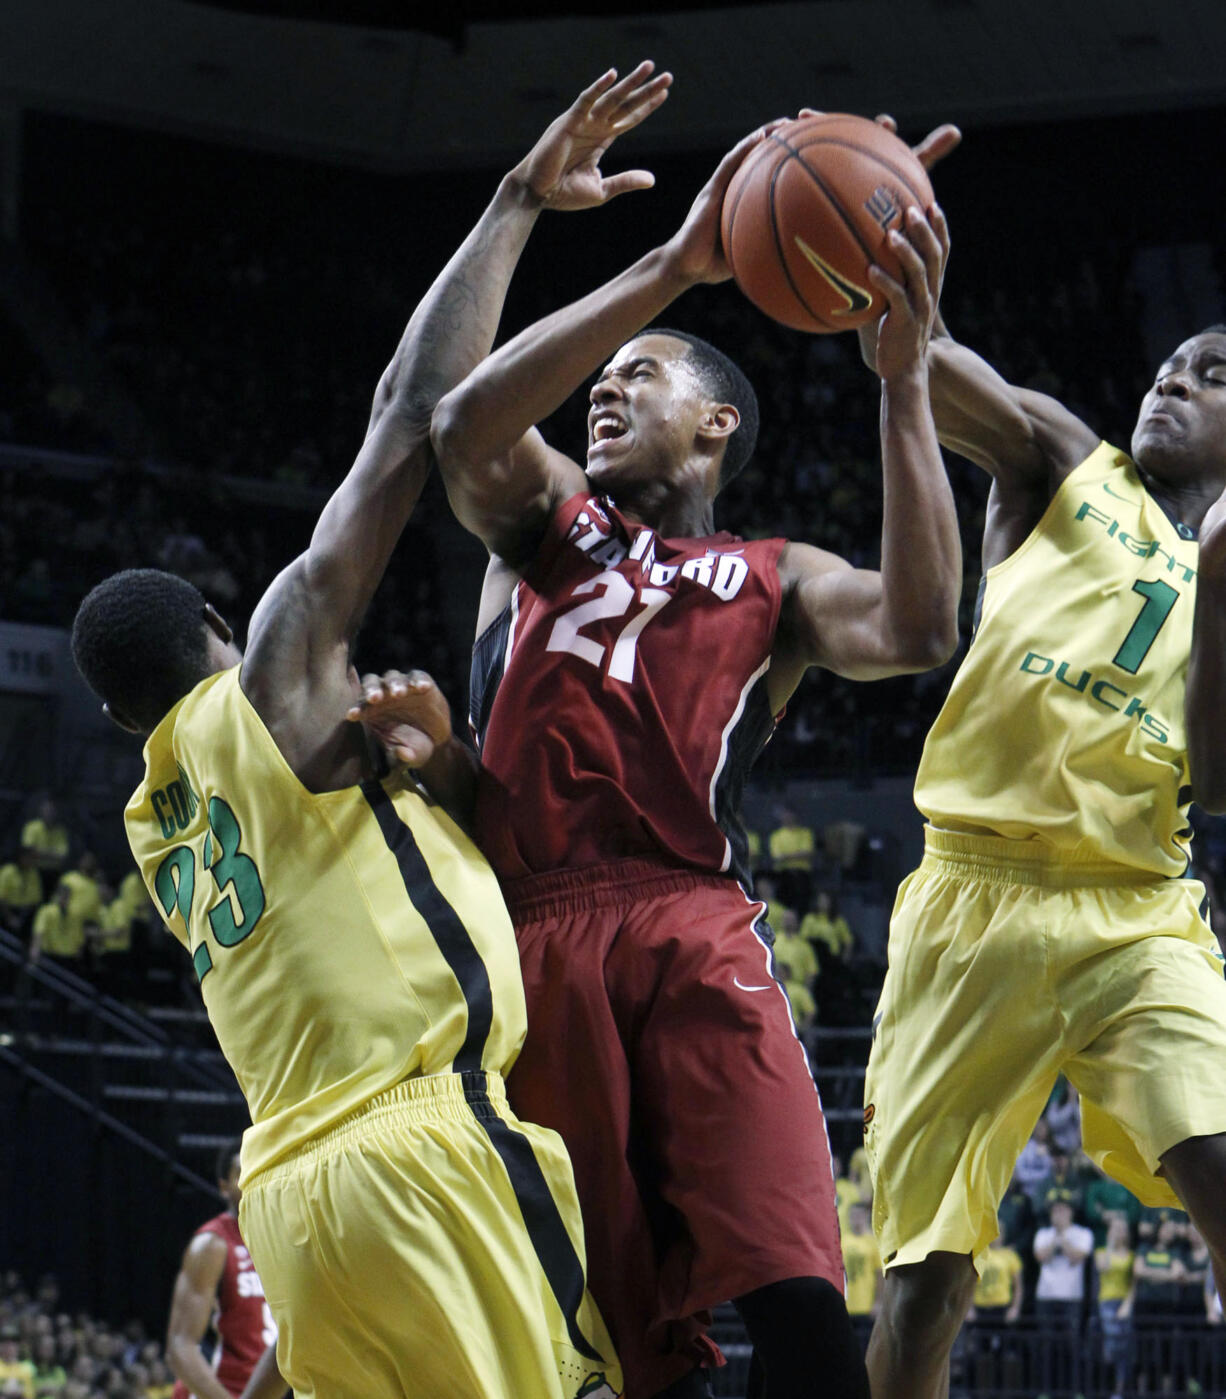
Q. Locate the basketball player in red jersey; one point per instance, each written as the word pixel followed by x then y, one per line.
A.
pixel 630 665
pixel 218 1284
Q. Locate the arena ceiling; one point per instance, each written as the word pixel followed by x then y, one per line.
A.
pixel 464 82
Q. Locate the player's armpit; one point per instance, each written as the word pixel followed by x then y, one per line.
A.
pixel 506 501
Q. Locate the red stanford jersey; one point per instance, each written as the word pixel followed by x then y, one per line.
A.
pixel 620 699
pixel 243 1321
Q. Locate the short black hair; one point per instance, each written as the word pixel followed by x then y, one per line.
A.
pixel 226 1153
pixel 723 380
pixel 139 642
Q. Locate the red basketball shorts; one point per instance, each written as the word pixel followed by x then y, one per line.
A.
pixel 662 1050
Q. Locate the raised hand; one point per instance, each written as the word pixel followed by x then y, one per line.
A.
pixel 696 250
pixel 934 147
pixel 903 334
pixel 563 169
pixel 407 714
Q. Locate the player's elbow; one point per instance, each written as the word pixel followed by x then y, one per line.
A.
pixel 451 429
pixel 927 645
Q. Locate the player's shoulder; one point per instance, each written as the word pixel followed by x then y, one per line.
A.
pixel 223 1226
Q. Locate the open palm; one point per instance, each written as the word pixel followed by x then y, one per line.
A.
pixel 563 168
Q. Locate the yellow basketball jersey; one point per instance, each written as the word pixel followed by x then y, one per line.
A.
pixel 343 940
pixel 1065 723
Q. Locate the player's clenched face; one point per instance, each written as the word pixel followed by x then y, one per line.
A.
pixel 1180 435
pixel 647 406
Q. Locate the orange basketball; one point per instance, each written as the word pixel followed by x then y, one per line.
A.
pixel 809 212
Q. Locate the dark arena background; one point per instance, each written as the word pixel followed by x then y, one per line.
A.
pixel 214 221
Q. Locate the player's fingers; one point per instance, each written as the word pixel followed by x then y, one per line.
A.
pixel 644 103
pixel 590 95
pixel 419 680
pixel 614 95
pixel 894 292
pixel 886 120
pixel 936 217
pixel 624 182
pixel 936 145
pixel 415 752
pixel 913 276
pixel 925 241
pixel 809 112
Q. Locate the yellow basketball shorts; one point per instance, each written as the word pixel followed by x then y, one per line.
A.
pixel 429 1247
pixel 1005 970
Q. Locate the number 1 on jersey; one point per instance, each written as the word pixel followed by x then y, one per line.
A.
pixel 1159 598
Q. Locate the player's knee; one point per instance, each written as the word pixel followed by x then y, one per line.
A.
pixel 926 1302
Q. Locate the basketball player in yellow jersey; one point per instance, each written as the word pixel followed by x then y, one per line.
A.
pixel 1052 926
pixel 357 962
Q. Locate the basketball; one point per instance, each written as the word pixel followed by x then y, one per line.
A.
pixel 810 210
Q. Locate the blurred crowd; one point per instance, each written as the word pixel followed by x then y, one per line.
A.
pixel 48 1352
pixel 250 331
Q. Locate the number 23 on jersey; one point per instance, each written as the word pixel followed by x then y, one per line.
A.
pixel 239 904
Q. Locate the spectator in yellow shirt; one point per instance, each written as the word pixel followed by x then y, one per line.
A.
pixel 85 905
pixel 47 836
pixel 16 1374
pixel 1114 1264
pixel 826 925
pixel 791 948
pixel 21 891
pixel 861 1262
pixel 804 1007
pixel 764 890
pixel 998 1291
pixel 54 932
pixel 792 847
pixel 846 1193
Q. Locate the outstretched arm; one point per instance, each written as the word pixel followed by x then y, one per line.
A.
pixel 866 624
pixel 484 432
pixel 296 671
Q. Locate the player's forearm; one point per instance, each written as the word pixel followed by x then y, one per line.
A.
pixel 189 1365
pixel 454 325
pixel 921 549
pixel 451 779
pixel 535 373
pixel 265 1381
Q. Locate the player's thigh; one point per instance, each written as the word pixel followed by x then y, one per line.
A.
pixel 966 1045
pixel 723 1087
pixel 420 1268
pixel 1152 1002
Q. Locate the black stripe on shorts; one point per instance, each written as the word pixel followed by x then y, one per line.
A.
pixel 545 1227
pixel 446 926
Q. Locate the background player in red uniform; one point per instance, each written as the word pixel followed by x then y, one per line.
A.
pixel 630 666
pixel 218 1285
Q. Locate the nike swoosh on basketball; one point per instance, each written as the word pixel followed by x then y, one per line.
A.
pixel 736 981
pixel 856 297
